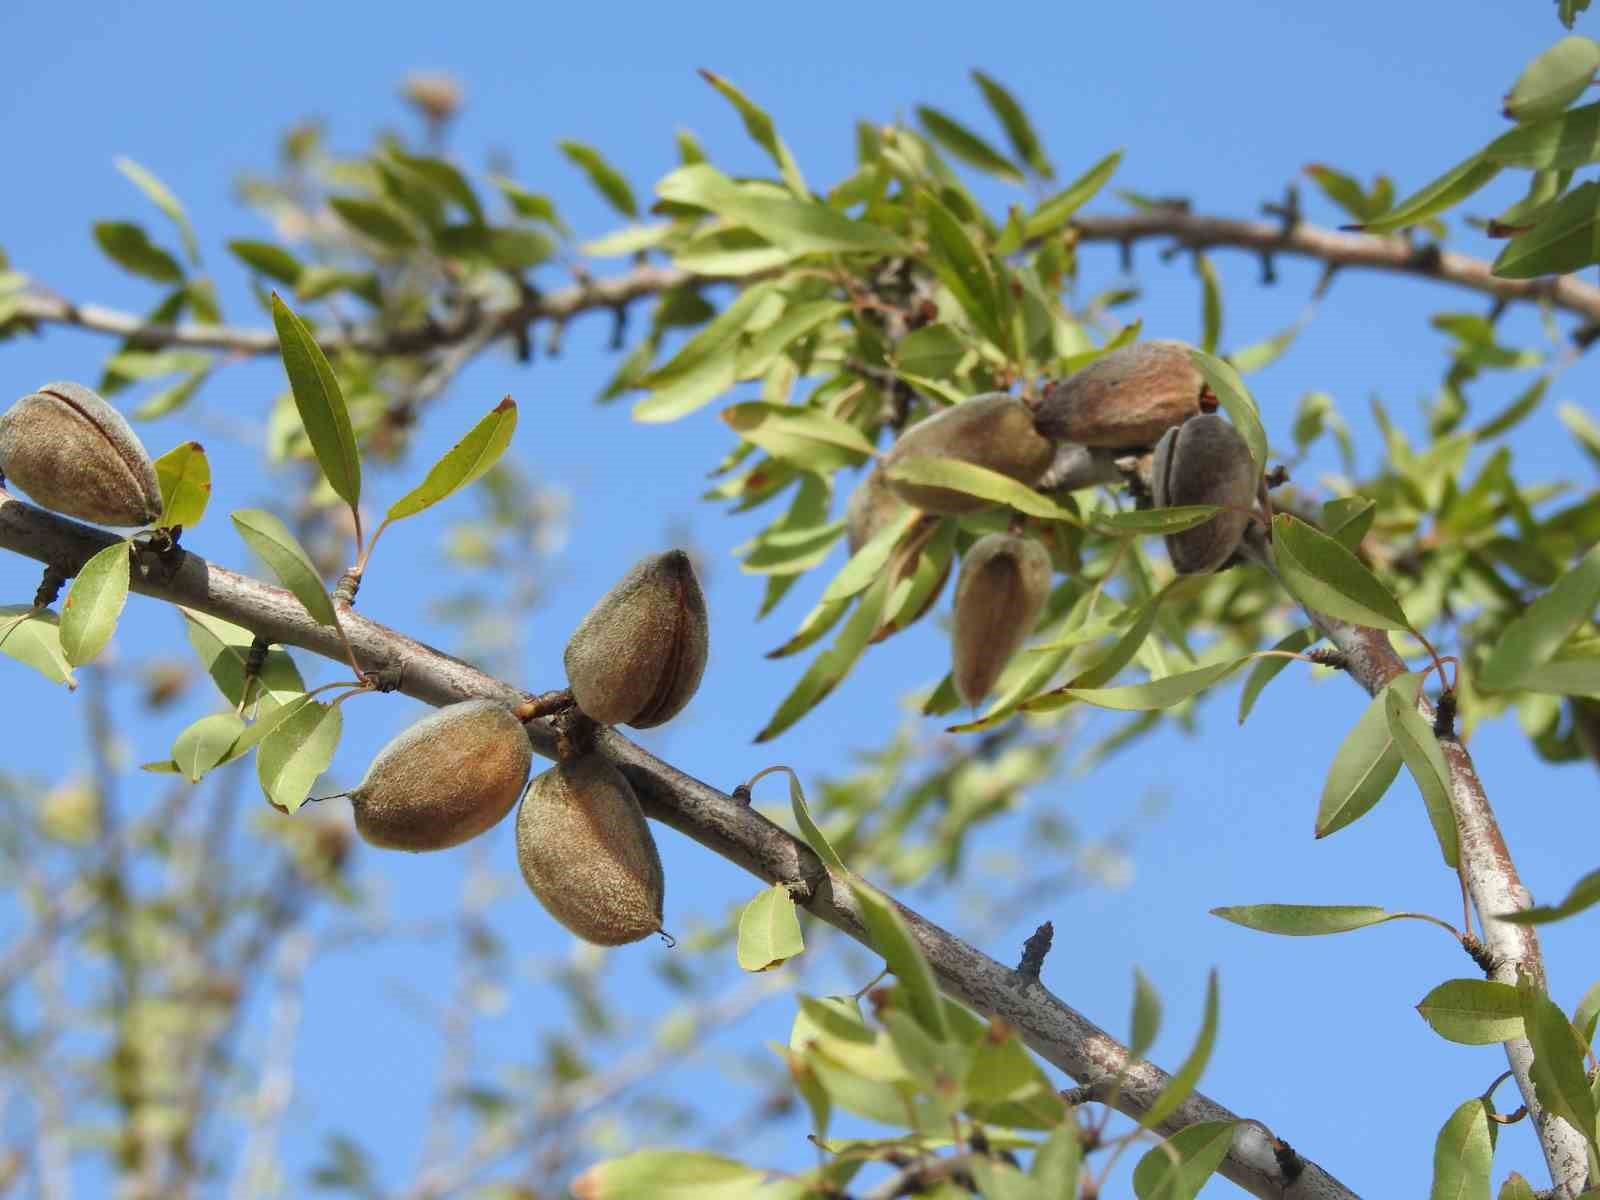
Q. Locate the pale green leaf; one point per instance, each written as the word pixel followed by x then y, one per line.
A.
pixel 1532 639
pixel 1583 894
pixel 320 402
pixel 1448 190
pixel 205 743
pixel 1305 920
pixel 769 930
pixel 1270 666
pixel 1553 80
pixel 1463 1154
pixel 463 463
pixel 94 604
pixel 1366 763
pixel 891 937
pixel 1236 400
pixel 973 480
pixel 1473 1012
pixel 298 750
pixel 1178 1168
pixel 1184 1079
pixel 163 198
pixel 33 637
pixel 1326 577
pixel 127 245
pixel 279 549
pixel 1568 140
pixel 185 478
pixel 1419 750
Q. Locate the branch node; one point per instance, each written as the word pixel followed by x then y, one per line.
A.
pixel 345 590
pixel 50 586
pixel 1444 716
pixel 1278 476
pixel 1034 951
pixel 1487 961
pixel 1337 660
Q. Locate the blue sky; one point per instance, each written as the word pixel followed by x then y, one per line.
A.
pixel 1223 102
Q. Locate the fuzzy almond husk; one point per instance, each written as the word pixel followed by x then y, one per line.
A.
pixel 73 453
pixel 1126 399
pixel 587 853
pixel 1205 461
pixel 637 656
pixel 871 506
pixel 995 430
pixel 444 780
pixel 1003 585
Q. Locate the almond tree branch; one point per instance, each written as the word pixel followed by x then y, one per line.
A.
pixel 1196 231
pixel 1058 1033
pixel 1486 864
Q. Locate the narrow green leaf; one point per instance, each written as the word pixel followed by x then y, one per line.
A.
pixel 1566 239
pixel 1210 305
pixel 223 648
pixel 1448 190
pixel 1156 693
pixel 973 480
pixel 1583 894
pixel 1532 639
pixel 298 750
pixel 1587 1015
pixel 1463 1154
pixel 1019 130
pixel 1559 1077
pixel 443 178
pixel 799 433
pixel 1419 750
pixel 1146 1021
pixel 834 663
pixel 1365 765
pixel 1055 212
pixel 320 402
pixel 463 463
pixel 1178 1168
pixel 769 930
pixel 607 180
pixel 866 564
pixel 1268 668
pixel 1185 1078
pixel 1568 140
pixel 761 130
pixel 375 221
pixel 205 743
pixel 1326 577
pixel 1154 520
pixel 94 603
pixel 933 350
pixel 1057 1163
pixel 535 206
pixel 670 1175
pixel 963 268
pixel 1236 401
pixel 267 258
pixel 1348 519
pixel 1553 80
pixel 279 549
pixel 33 638
pixel 185 478
pixel 163 199
pixel 1305 920
pixel 891 937
pixel 127 245
pixel 967 145
pixel 1473 1012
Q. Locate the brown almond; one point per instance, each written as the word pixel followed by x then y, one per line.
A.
pixel 871 507
pixel 995 431
pixel 73 453
pixel 637 656
pixel 1205 461
pixel 587 853
pixel 444 780
pixel 1004 582
pixel 1125 399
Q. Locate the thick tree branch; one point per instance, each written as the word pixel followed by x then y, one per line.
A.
pixel 1486 864
pixel 711 817
pixel 1195 231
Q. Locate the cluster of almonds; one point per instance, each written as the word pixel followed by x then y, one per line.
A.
pixel 582 841
pixel 1142 397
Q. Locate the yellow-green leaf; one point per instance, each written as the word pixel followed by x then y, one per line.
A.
pixel 33 638
pixel 185 478
pixel 1326 577
pixel 297 752
pixel 320 402
pixel 279 549
pixel 463 463
pixel 205 743
pixel 769 930
pixel 94 603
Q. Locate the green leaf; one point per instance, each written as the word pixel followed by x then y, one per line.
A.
pixel 127 245
pixel 223 648
pixel 1463 1154
pixel 374 220
pixel 33 637
pixel 1366 763
pixel 1516 1187
pixel 891 937
pixel 1473 1012
pixel 268 259
pixel 671 1175
pixel 320 402
pixel 1183 1080
pixel 834 663
pixel 205 743
pixel 769 930
pixel 1324 576
pixel 808 827
pixel 933 350
pixel 270 538
pixel 1568 10
pixel 1178 1168
pixel 607 180
pixel 1156 693
pixel 1448 190
pixel 1305 920
pixel 1019 131
pixel 973 480
pixel 163 198
pixel 964 269
pixel 1532 639
pixel 807 437
pixel 535 206
pixel 1559 1079
pixel 1154 520
pixel 761 129
pixel 1210 305
pixel 1236 401
pixel 1146 1021
pixel 443 178
pixel 94 603
pixel 185 478
pixel 798 226
pixel 1553 80
pixel 1569 140
pixel 463 463
pixel 1566 239
pixel 1055 212
pixel 297 752
pixel 999 1180
pixel 967 145
pixel 1268 668
pixel 1348 519
pixel 1419 750
pixel 1584 894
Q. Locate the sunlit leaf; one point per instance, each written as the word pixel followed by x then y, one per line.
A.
pixel 1473 1012
pixel 279 549
pixel 185 478
pixel 463 463
pixel 967 145
pixel 1565 240
pixel 1553 80
pixel 1583 894
pixel 758 124
pixel 1559 1076
pixel 1184 1079
pixel 296 753
pixel 1178 1168
pixel 130 247
pixel 163 199
pixel 1366 763
pixel 891 937
pixel 1463 1154
pixel 94 604
pixel 973 480
pixel 1532 638
pixel 1236 402
pixel 33 638
pixel 1568 140
pixel 1305 920
pixel 769 930
pixel 1419 750
pixel 1055 212
pixel 205 743
pixel 1448 190
pixel 269 259
pixel 1019 130
pixel 1326 577
pixel 320 402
